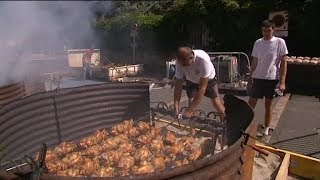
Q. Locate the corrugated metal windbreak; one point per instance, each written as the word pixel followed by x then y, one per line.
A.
pixel 68 114
pixel 11 92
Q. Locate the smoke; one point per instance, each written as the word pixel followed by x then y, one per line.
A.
pixel 43 27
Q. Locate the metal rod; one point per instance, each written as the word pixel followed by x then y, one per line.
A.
pixel 16 166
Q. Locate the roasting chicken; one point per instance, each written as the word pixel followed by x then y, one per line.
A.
pixel 73 159
pixel 157 144
pixel 187 142
pixel 194 154
pixel 132 132
pixel 109 143
pixel 170 138
pixel 144 139
pixel 154 133
pixel 142 154
pixel 159 162
pixel 175 149
pixel 89 166
pixel 121 138
pixel 93 150
pixel 143 126
pixel 111 157
pixel 126 163
pixel 100 134
pixel 65 148
pixel 127 148
pixel 122 127
pixel 89 141
pixel 56 166
pixel 104 172
pixel 143 168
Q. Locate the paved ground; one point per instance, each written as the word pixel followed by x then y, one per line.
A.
pixel 297 128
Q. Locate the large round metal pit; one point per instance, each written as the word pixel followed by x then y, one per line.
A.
pixel 70 114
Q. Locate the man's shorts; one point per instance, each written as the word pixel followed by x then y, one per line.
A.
pixel 263 88
pixel 211 92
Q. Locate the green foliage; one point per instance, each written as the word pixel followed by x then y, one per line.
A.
pixel 233 24
pixel 127 19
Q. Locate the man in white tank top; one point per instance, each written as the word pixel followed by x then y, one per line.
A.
pixel 268 70
pixel 199 72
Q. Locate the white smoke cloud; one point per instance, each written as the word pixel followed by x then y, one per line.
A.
pixel 34 26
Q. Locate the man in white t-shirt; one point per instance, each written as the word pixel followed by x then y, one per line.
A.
pixel 268 70
pixel 200 75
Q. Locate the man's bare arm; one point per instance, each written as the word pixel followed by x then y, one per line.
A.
pixel 283 70
pixel 177 92
pixel 202 89
pixel 253 67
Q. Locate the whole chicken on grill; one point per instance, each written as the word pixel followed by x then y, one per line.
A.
pixel 111 157
pixel 93 150
pixel 170 137
pixel 126 163
pixel 175 149
pixel 100 134
pixel 144 139
pixel 132 132
pixel 121 138
pixel 73 159
pixel 144 168
pixel 56 166
pixel 104 172
pixel 187 142
pixel 110 143
pixel 65 148
pixel 122 127
pixel 89 141
pixel 154 133
pixel 159 162
pixel 157 144
pixel 142 154
pixel 143 126
pixel 89 166
pixel 127 148
pixel 194 154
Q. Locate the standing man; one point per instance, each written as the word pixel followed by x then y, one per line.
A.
pixel 201 80
pixel 268 70
pixel 86 61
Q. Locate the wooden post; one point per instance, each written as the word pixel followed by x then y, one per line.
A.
pixel 248 154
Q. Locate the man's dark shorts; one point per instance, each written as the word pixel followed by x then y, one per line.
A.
pixel 211 92
pixel 263 88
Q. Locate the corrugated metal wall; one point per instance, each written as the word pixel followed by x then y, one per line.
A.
pixel 11 92
pixel 67 114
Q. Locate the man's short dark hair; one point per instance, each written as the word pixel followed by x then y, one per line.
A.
pixel 267 23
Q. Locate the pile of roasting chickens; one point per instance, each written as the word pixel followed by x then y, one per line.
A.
pixel 303 60
pixel 127 148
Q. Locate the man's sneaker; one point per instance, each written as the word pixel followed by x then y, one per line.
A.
pixel 262 131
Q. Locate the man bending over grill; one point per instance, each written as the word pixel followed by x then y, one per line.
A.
pixel 201 80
